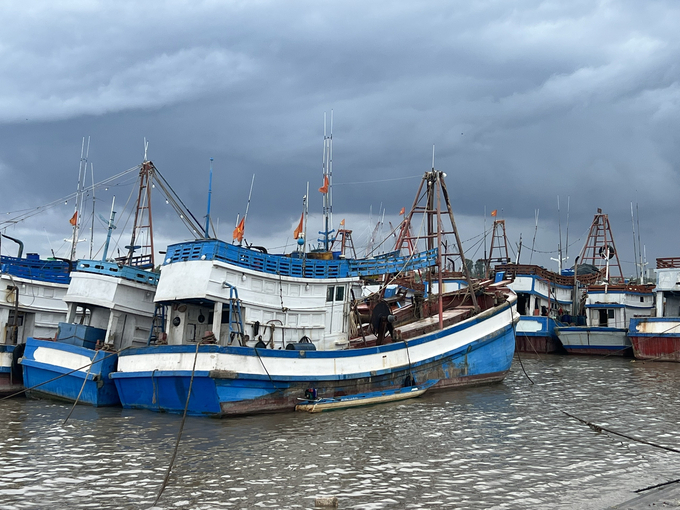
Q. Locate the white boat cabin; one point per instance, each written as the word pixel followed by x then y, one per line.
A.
pixel 612 306
pixel 117 299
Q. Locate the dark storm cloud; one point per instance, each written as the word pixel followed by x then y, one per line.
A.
pixel 523 101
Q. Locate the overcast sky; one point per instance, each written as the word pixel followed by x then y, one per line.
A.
pixel 524 101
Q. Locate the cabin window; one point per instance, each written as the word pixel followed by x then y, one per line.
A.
pixel 642 299
pixel 610 313
pixel 329 293
pixel 339 293
pixel 11 321
pixel 225 316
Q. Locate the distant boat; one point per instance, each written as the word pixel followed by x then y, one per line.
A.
pixel 609 310
pixel 610 303
pixel 658 338
pixel 252 332
pixel 543 298
pixel 31 305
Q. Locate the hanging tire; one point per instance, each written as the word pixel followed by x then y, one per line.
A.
pixel 17 371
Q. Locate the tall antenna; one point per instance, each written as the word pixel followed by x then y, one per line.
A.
pixel 207 215
pixel 82 171
pixel 93 206
pixel 327 187
pixel 635 251
pixel 566 249
pixel 533 243
pixel 559 244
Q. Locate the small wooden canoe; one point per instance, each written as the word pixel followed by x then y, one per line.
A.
pixel 363 399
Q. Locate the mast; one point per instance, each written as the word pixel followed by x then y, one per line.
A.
pixel 82 172
pixel 432 199
pixel 111 226
pixel 599 249
pixel 207 214
pixel 143 220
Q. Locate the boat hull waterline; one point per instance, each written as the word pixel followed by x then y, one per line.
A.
pixel 595 340
pixel 244 380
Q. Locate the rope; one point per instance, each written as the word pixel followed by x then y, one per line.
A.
pixel 181 428
pixel 75 403
pixel 598 428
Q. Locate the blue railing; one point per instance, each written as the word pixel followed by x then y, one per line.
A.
pixel 111 269
pixel 296 267
pixel 53 271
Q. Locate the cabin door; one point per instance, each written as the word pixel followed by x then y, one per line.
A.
pixel 335 306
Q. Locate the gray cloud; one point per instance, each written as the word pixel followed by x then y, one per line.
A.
pixel 523 101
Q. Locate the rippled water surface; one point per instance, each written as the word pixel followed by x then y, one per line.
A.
pixel 503 446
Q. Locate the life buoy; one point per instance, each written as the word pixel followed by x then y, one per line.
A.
pixel 607 252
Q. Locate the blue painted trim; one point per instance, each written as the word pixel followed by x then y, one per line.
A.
pixel 111 269
pixel 587 329
pixel 596 347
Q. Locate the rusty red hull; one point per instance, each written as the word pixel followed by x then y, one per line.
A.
pixel 656 348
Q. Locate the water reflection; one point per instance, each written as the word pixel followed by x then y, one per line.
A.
pixel 502 446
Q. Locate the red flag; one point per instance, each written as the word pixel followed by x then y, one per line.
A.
pixel 298 229
pixel 238 231
pixel 494 212
pixel 403 210
pixel 324 188
pixel 74 219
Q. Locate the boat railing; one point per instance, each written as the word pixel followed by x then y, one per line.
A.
pixel 296 267
pixel 53 271
pixel 111 269
pixel 668 263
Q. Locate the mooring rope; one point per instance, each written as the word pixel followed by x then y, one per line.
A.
pixel 181 428
pixel 82 387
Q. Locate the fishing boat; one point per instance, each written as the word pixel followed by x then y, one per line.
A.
pixel 31 305
pixel 543 299
pixel 252 332
pixel 657 338
pixel 609 304
pixel 110 308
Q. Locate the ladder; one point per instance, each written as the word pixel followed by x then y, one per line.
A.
pixel 157 325
pixel 236 328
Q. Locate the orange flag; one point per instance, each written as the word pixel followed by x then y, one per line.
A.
pixel 324 188
pixel 494 212
pixel 74 219
pixel 298 229
pixel 342 223
pixel 238 231
pixel 403 210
